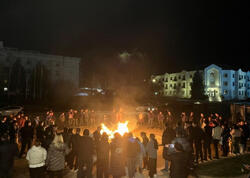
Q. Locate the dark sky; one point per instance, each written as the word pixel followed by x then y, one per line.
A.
pixel 174 34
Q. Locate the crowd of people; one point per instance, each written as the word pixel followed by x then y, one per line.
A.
pixel 54 144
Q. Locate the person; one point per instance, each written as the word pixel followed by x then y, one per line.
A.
pixel 55 161
pixel 40 133
pixel 179 162
pixel 161 119
pixel 97 135
pixel 102 151
pixel 145 141
pixel 117 164
pixel 225 139
pixel 167 137
pixel 73 157
pixel 132 150
pixel 26 134
pixel 216 134
pixel 8 152
pixel 207 141
pixel 152 148
pixel 151 119
pixel 198 136
pixel 85 153
pixel 190 134
pixel 236 134
pixel 140 155
pixel 244 136
pixel 36 157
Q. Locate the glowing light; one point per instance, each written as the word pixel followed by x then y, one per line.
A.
pixel 122 128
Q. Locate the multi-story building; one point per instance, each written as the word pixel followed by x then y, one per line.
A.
pixel 58 67
pixel 220 84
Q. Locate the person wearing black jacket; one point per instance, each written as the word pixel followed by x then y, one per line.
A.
pixel 179 162
pixel 8 151
pixel 167 138
pixel 198 136
pixel 225 139
pixel 86 151
pixel 207 141
pixel 102 151
pixel 26 137
pixel 190 130
pixel 75 140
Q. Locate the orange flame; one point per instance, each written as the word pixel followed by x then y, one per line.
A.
pixel 122 128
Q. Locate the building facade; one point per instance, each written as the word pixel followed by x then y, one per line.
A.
pixel 59 67
pixel 220 84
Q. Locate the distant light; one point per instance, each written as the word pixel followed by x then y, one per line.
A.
pixel 99 90
pixel 82 94
pixel 154 80
pixel 5 89
pixel 156 93
pixel 197 102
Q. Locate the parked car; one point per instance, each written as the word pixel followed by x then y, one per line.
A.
pixel 10 110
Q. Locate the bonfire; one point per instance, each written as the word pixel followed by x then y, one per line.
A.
pixel 122 128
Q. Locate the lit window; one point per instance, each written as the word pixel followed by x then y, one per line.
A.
pixel 225 92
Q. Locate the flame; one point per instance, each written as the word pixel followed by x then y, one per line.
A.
pixel 122 128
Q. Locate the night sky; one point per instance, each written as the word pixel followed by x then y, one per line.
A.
pixel 174 35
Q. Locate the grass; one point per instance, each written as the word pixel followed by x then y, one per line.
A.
pixel 228 167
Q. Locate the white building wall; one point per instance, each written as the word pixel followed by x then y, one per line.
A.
pixel 219 84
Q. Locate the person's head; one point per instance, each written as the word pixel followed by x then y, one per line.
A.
pixel 37 142
pixel 178 147
pixel 104 136
pixel 152 136
pixel 86 132
pixel 70 130
pixel 78 130
pixel 143 134
pixel 117 135
pixel 58 140
pixel 99 128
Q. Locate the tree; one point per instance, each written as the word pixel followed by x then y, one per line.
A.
pixel 39 82
pixel 197 87
pixel 17 84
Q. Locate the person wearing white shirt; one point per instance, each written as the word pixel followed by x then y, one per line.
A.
pixel 36 157
pixel 216 134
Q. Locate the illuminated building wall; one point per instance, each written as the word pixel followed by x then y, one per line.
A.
pixel 219 84
pixel 175 84
pixel 59 67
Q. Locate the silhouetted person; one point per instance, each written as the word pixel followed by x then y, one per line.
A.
pixel 207 141
pixel 86 151
pixel 179 162
pixel 102 151
pixel 198 137
pixel 8 151
pixel 26 134
pixel 167 138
